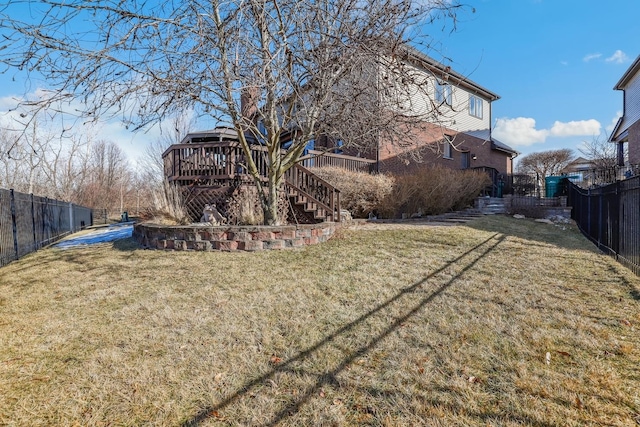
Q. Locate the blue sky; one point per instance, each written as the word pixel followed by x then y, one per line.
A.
pixel 553 62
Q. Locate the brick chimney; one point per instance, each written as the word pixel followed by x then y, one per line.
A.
pixel 249 102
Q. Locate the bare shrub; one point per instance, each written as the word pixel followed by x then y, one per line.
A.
pixel 244 207
pixel 434 191
pixel 168 204
pixel 360 193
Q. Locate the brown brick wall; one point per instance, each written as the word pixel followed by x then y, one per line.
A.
pixel 428 146
pixel 634 143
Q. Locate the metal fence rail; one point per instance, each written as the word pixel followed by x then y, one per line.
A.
pixel 610 217
pixel 28 222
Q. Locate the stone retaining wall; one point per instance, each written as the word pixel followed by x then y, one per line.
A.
pixel 199 237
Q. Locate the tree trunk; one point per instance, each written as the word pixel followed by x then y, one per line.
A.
pixel 270 203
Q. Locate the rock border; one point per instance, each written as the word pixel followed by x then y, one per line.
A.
pixel 199 237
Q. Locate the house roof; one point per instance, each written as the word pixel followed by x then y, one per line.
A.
pixel 503 147
pixel 221 133
pixel 628 75
pixel 579 164
pixel 616 134
pixel 445 72
pixel 621 129
pixel 495 144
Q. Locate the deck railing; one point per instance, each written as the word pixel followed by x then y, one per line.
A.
pixel 315 190
pixel 225 160
pixel 319 159
pixel 210 161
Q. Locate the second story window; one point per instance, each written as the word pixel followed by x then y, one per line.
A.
pixel 475 106
pixel 443 93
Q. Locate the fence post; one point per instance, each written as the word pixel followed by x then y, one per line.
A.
pixel 12 199
pixel 589 212
pixel 70 217
pixel 33 224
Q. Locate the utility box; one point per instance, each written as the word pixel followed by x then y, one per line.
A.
pixel 553 185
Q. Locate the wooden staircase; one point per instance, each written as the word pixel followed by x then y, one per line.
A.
pixel 311 196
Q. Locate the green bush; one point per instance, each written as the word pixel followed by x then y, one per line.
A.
pixel 360 193
pixel 433 191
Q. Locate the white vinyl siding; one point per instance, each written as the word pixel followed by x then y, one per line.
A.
pixel 419 99
pixel 632 102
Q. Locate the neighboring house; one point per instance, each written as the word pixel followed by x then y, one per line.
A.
pixel 578 167
pixel 627 130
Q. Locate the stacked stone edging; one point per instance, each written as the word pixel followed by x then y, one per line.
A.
pixel 231 238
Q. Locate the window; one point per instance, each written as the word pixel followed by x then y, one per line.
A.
pixel 443 93
pixel 466 160
pixel 475 106
pixel 446 153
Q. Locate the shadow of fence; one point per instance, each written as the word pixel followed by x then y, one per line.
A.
pixel 467 260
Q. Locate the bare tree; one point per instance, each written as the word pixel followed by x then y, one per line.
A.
pixel 600 152
pixel 162 196
pixel 545 163
pixel 304 68
pixel 108 177
pixel 10 167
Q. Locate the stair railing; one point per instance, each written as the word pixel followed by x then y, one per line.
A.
pixel 315 189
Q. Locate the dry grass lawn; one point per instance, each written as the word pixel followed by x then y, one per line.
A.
pixel 501 322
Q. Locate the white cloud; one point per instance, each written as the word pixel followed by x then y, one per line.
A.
pixel 591 56
pixel 133 144
pixel 522 131
pixel 575 128
pixel 618 57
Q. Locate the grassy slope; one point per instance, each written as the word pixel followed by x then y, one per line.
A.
pixel 425 326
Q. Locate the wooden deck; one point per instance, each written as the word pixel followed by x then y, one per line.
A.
pixel 214 165
pixel 222 163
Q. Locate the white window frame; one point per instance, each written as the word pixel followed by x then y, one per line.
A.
pixel 443 93
pixel 475 106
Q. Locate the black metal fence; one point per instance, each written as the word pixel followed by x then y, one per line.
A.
pixel 610 217
pixel 29 222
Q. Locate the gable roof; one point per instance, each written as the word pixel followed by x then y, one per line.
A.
pixel 628 75
pixel 446 73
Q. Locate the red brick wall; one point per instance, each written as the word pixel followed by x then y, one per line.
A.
pixel 634 143
pixel 428 146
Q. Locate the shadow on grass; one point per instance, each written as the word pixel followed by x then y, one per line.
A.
pixel 619 278
pixel 329 377
pixel 566 236
pixel 126 245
